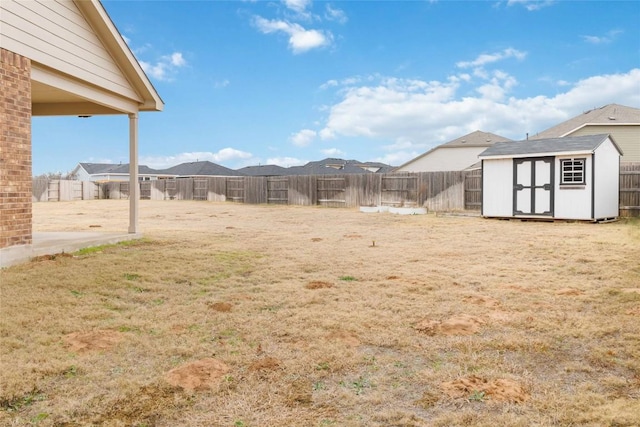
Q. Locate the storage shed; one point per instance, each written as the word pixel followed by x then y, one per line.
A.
pixel 559 178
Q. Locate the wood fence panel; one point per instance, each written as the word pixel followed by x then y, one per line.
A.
pixel 331 190
pixel 630 189
pixel 40 190
pixel 217 189
pixel 171 189
pixel 235 189
pixel 302 190
pixel 255 189
pixel 184 188
pixel 53 191
pixel 473 190
pixel 157 191
pixel 200 189
pixel 145 190
pixel 399 190
pixel 278 190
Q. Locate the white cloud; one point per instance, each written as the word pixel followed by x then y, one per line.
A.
pixel 419 114
pixel 221 84
pixel 166 67
pixel 303 138
pixel 300 39
pixel 334 14
pixel 607 38
pixel 299 6
pixel 531 5
pixel 286 162
pixel 487 58
pixel 225 155
pixel 332 152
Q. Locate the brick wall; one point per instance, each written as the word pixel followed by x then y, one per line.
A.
pixel 15 149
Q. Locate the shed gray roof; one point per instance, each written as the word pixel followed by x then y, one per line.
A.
pixel 577 144
pixel 200 169
pixel 605 115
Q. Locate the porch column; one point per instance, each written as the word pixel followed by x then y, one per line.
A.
pixel 134 188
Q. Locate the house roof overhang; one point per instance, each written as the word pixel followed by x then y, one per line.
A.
pixel 56 93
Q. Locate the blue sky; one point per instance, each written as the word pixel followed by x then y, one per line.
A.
pixel 286 82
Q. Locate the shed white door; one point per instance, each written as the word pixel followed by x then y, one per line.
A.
pixel 533 186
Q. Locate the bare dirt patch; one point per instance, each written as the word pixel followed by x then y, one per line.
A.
pixel 81 342
pixel 265 364
pixel 569 292
pixel 477 388
pixel 221 307
pixel 344 337
pixel 462 324
pixel 317 284
pixel 199 375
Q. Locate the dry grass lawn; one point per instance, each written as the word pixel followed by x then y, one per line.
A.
pixel 238 315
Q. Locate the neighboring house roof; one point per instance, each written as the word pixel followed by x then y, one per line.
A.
pixel 263 170
pixel 203 168
pixel 331 166
pixel 110 168
pixel 476 138
pixel 567 145
pixel 328 166
pixel 611 114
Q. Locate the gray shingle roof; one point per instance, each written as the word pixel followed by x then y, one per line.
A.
pixel 605 115
pixel 106 168
pixel 476 139
pixel 203 168
pixel 263 170
pixel 578 144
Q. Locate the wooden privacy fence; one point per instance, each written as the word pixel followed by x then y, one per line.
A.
pixel 630 189
pixel 438 191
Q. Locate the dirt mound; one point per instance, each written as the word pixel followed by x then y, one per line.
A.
pixel 473 387
pixel 482 300
pixel 344 337
pixel 318 285
pixel 569 292
pixel 82 342
pixel 266 364
pixel 222 307
pixel 462 324
pixel 198 375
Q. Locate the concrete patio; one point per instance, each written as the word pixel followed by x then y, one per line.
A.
pixel 50 243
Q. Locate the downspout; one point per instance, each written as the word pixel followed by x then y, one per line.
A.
pixel 134 189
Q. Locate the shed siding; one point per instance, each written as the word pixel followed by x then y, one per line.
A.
pixel 626 136
pixel 497 188
pixel 445 159
pixel 607 181
pixel 55 34
pixel 573 202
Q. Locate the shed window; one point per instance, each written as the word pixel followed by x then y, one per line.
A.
pixel 572 171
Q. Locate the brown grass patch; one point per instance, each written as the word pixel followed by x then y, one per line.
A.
pixel 473 303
